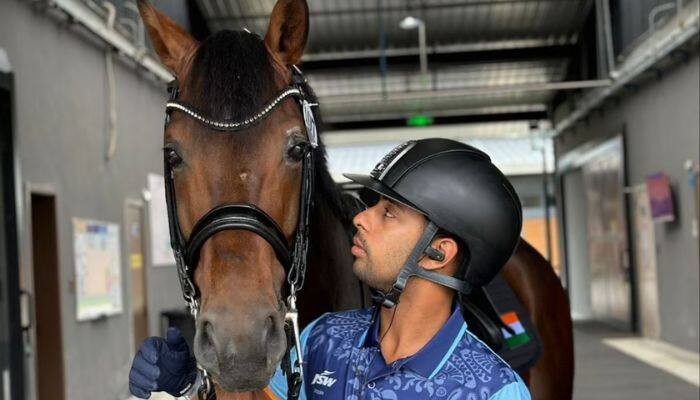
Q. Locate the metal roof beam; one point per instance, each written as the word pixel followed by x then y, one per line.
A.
pixel 467 57
pixel 456 119
pixel 509 44
pixel 466 92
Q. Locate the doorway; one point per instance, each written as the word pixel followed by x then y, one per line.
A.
pixel 11 350
pixel 596 225
pixel 46 290
pixel 577 269
pixel 134 222
pixel 606 222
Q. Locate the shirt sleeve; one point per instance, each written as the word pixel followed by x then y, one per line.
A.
pixel 512 391
pixel 278 383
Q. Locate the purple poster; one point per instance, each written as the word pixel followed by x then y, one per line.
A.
pixel 660 199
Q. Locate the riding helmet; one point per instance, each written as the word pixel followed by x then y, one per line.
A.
pixel 456 187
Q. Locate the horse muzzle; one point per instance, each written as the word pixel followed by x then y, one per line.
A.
pixel 240 352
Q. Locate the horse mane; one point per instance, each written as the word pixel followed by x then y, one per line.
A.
pixel 233 78
pixel 326 190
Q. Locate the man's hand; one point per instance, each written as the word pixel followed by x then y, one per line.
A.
pixel 162 365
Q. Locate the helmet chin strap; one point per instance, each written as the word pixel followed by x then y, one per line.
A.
pixel 411 268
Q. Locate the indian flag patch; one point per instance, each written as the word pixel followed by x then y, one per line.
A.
pixel 519 336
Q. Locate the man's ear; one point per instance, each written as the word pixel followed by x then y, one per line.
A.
pixel 445 245
pixel 170 41
pixel 288 30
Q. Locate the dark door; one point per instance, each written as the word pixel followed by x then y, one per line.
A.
pixel 11 366
pixel 603 176
pixel 49 343
pixel 139 308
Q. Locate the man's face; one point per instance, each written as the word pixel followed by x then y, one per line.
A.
pixel 386 235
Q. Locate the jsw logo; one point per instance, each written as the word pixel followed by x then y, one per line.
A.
pixel 324 379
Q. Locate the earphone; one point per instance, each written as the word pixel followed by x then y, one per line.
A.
pixel 434 254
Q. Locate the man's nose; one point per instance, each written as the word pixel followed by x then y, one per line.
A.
pixel 360 220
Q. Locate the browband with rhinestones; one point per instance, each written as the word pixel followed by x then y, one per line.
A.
pixel 232 126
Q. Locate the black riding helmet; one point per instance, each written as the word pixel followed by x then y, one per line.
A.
pixel 459 190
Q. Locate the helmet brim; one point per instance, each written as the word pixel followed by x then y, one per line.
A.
pixel 381 189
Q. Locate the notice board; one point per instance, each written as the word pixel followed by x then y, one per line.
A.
pixel 98 285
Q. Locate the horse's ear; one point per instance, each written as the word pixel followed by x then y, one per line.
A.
pixel 288 30
pixel 170 41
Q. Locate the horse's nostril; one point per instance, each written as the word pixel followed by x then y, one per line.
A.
pixel 208 330
pixel 208 336
pixel 269 328
pixel 207 346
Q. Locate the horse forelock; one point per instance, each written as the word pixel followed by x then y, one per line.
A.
pixel 231 76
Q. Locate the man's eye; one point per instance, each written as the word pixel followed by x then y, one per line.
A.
pixel 174 159
pixel 388 213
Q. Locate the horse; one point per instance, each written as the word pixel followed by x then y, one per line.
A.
pixel 240 336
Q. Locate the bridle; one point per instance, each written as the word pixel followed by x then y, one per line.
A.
pixel 248 217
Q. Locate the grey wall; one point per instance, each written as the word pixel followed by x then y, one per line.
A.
pixel 61 130
pixel 660 121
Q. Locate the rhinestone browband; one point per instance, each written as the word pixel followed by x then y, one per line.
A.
pixel 232 126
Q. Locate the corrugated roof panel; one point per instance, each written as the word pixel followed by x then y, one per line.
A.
pixel 355 81
pixel 351 29
pixel 353 25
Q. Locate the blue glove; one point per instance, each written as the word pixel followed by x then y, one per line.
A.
pixel 162 365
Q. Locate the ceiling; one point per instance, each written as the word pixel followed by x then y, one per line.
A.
pixel 512 156
pixel 485 58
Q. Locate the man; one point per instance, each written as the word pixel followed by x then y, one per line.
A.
pixel 443 220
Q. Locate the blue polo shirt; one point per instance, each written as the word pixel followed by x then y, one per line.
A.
pixel 342 360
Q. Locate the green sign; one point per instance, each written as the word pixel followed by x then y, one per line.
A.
pixel 420 120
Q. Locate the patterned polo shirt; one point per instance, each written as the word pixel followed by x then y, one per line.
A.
pixel 343 361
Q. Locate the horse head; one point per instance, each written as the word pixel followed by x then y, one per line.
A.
pixel 230 76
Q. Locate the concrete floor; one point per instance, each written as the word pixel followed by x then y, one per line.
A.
pixel 604 373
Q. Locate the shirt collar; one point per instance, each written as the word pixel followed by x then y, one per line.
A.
pixel 435 352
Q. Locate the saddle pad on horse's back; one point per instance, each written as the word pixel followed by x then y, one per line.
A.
pixel 519 346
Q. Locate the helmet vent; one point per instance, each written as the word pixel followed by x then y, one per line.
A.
pixel 390 159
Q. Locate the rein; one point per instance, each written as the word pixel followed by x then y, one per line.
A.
pixel 248 217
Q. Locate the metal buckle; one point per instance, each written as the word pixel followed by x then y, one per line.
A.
pixel 292 316
pixel 206 390
pixel 310 122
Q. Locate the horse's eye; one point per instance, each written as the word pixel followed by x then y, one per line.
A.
pixel 297 151
pixel 174 159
